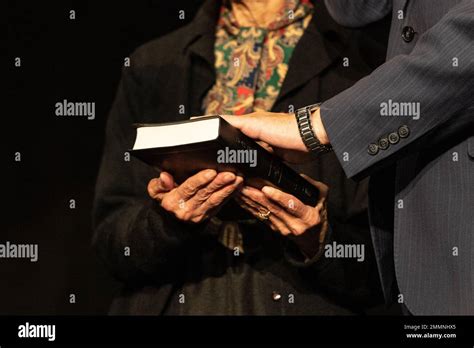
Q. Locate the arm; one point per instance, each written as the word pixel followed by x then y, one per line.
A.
pixel 352 119
pixel 358 13
pixel 141 237
pixel 124 215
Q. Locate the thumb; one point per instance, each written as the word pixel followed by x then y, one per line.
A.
pixel 236 121
pixel 158 186
pixel 167 181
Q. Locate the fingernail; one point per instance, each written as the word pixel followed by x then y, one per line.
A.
pixel 154 185
pixel 244 189
pixel 268 190
pixel 210 174
pixel 229 177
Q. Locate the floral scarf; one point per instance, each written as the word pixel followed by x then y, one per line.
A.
pixel 250 62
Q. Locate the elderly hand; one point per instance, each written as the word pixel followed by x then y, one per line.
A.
pixel 197 198
pixel 286 214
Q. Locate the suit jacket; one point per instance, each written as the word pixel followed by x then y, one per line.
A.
pixel 168 258
pixel 421 193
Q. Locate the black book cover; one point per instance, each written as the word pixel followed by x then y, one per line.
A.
pixel 183 161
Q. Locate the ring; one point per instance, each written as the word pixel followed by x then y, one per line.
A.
pixel 263 216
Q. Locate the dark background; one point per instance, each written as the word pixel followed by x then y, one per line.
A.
pixel 77 60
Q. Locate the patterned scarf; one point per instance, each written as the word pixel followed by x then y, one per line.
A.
pixel 251 62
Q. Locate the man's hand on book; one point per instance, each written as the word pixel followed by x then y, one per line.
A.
pixel 304 224
pixel 279 130
pixel 197 198
pixel 277 133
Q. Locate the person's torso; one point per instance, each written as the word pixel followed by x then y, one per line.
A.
pixel 261 281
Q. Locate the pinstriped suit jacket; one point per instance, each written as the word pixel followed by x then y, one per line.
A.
pixel 421 193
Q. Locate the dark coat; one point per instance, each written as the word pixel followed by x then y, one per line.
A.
pixel 421 190
pixel 169 258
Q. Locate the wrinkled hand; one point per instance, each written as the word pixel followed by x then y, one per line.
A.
pixel 197 198
pixel 305 224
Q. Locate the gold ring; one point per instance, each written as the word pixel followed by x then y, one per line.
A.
pixel 262 216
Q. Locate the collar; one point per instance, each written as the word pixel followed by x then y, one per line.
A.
pixel 201 31
pixel 322 43
pixel 298 8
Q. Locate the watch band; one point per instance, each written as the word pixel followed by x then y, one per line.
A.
pixel 303 118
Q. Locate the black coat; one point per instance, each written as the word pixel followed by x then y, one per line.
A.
pixel 169 259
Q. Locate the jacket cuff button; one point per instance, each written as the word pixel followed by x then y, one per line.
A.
pixel 383 143
pixel 403 131
pixel 393 138
pixel 373 149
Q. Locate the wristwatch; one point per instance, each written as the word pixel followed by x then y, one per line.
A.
pixel 303 118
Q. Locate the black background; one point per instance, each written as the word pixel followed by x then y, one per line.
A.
pixel 80 60
pixel 77 60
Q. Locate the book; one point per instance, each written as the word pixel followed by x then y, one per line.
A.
pixel 187 147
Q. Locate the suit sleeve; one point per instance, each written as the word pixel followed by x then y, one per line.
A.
pixel 136 239
pixel 437 77
pixel 358 13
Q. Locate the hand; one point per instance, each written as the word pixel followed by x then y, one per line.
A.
pixel 306 225
pixel 197 198
pixel 279 130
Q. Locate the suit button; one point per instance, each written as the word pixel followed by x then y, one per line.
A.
pixel 276 296
pixel 373 149
pixel 408 33
pixel 393 138
pixel 383 143
pixel 403 131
